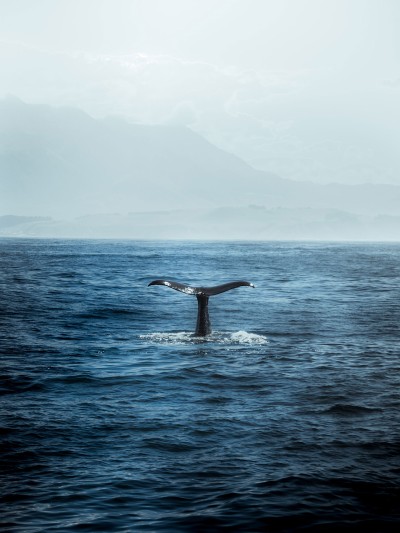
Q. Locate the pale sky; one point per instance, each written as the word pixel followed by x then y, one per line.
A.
pixel 308 89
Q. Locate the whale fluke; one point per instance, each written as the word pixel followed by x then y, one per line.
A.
pixel 202 294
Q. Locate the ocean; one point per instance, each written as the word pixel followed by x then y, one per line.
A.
pixel 114 418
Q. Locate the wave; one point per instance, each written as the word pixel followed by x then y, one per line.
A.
pixel 218 337
pixel 110 312
pixel 13 385
pixel 350 409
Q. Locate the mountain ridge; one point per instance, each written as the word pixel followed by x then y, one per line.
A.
pixel 60 162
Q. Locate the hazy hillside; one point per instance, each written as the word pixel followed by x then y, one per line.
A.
pixel 242 223
pixel 62 163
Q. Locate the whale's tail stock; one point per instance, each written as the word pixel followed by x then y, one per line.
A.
pixel 202 294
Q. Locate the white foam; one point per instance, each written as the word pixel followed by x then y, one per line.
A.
pixel 184 337
pixel 243 337
pixel 169 338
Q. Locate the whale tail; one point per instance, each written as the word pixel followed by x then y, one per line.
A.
pixel 203 326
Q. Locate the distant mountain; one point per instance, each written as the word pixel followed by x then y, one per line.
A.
pixel 11 221
pixel 237 223
pixel 62 163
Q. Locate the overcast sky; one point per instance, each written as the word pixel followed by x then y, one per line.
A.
pixel 309 89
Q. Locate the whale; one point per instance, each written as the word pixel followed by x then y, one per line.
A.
pixel 203 325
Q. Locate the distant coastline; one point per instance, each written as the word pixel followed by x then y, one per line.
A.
pixel 226 223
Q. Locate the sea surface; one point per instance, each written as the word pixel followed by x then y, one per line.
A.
pixel 114 418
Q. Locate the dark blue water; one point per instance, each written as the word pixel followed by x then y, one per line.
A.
pixel 113 418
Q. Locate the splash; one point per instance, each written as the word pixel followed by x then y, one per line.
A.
pixel 183 337
pixel 242 337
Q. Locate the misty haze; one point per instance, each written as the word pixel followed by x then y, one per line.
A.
pixel 142 127
pixel 66 174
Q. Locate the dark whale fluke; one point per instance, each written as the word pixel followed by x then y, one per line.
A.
pixel 203 326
